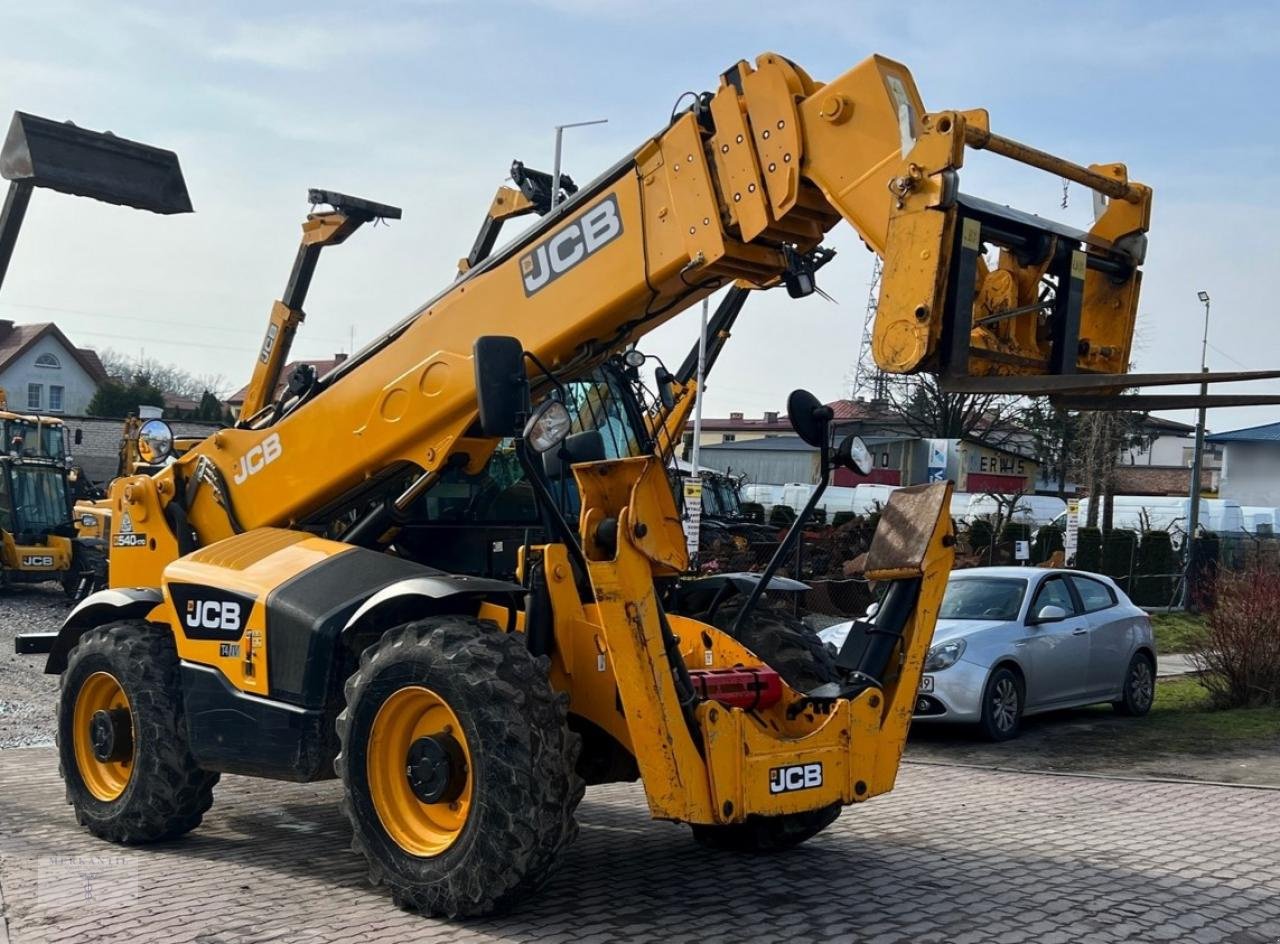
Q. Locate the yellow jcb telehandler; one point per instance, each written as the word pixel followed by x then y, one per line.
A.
pixel 446 572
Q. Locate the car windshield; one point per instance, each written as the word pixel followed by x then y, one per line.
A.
pixel 983 598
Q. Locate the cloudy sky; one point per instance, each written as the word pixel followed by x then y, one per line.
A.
pixel 424 104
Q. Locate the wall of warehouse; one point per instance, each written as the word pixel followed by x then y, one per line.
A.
pixel 98 451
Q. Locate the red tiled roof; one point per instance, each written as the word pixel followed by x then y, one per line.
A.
pixel 14 339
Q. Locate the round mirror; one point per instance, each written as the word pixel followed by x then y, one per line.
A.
pixel 155 441
pixel 854 454
pixel 808 417
pixel 548 426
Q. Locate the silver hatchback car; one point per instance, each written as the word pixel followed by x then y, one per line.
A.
pixel 1015 641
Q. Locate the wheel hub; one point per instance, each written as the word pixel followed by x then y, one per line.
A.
pixel 436 768
pixel 111 734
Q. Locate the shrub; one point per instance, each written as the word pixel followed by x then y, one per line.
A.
pixel 753 511
pixel 781 516
pixel 841 518
pixel 1119 553
pixel 1153 585
pixel 1015 531
pixel 1089 549
pixel 1048 540
pixel 1239 657
pixel 980 534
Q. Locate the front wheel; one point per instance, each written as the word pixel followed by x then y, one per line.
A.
pixel 1139 687
pixel 1002 703
pixel 122 741
pixel 458 767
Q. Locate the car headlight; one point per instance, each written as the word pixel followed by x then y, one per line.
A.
pixel 944 655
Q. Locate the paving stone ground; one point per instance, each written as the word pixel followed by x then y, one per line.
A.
pixel 952 855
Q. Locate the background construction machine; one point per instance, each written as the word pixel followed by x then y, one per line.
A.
pixel 40 539
pixel 445 570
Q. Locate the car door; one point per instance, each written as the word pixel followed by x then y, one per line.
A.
pixel 1110 631
pixel 1058 650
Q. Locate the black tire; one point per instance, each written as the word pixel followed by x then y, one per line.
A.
pixel 167 793
pixel 1003 699
pixel 796 653
pixel 524 786
pixel 1139 687
pixel 784 643
pixel 86 574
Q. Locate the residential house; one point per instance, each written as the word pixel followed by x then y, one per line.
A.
pixel 1250 465
pixel 41 371
pixel 1160 462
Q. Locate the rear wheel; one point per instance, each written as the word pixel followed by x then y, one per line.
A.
pixel 797 654
pixel 122 742
pixel 1139 687
pixel 1002 702
pixel 458 767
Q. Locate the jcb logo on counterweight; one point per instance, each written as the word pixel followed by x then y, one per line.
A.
pixel 795 777
pixel 584 235
pixel 210 612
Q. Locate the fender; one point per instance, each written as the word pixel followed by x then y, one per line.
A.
pixel 98 609
pixel 416 597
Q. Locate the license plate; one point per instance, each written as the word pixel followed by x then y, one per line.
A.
pixel 926 684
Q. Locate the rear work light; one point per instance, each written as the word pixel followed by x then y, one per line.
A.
pixel 738 688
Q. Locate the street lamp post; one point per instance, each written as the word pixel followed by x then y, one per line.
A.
pixel 1197 460
pixel 555 171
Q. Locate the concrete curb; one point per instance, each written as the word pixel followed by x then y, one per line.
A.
pixel 1088 776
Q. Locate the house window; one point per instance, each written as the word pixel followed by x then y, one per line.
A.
pixel 34 392
pixel 728 437
pixel 55 398
pixel 48 360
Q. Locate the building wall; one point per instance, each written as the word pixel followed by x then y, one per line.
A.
pixel 78 387
pixel 763 466
pixel 1251 473
pixel 98 451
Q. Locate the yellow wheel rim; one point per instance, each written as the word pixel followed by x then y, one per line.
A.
pixel 405 721
pixel 102 733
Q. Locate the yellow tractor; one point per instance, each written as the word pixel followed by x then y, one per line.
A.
pixel 446 572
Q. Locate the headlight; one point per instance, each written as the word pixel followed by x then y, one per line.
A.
pixel 944 655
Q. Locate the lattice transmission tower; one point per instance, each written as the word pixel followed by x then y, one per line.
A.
pixel 868 380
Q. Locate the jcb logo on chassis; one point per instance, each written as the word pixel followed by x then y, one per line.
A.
pixel 210 613
pixel 258 458
pixel 37 560
pixel 795 777
pixel 584 235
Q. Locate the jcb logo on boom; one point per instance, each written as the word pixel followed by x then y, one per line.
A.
pixel 795 777
pixel 221 615
pixel 258 458
pixel 587 233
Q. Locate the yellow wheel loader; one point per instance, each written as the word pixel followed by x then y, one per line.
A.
pixel 447 572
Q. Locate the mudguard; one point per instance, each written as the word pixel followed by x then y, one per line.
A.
pixel 97 609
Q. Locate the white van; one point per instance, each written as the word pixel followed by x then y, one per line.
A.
pixel 1167 513
pixel 1259 519
pixel 1034 510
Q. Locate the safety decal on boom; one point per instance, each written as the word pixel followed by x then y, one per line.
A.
pixel 584 235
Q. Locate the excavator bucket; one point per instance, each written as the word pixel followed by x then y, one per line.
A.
pixel 59 156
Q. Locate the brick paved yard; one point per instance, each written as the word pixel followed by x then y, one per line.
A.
pixel 952 855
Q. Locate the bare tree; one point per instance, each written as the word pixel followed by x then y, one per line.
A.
pixel 929 411
pixel 168 377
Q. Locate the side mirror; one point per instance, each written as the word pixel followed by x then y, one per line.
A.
pixel 501 384
pixel 872 609
pixel 548 426
pixel 155 441
pixel 662 377
pixel 1051 614
pixel 809 418
pixel 854 454
pixel 79 436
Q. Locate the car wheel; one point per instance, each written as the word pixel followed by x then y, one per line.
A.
pixel 1139 687
pixel 1002 705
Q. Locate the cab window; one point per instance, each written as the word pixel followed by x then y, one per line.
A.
pixel 1054 592
pixel 1094 595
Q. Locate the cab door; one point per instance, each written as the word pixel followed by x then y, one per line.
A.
pixel 1058 649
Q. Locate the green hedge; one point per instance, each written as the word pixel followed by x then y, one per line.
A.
pixel 1089 549
pixel 781 516
pixel 1048 540
pixel 1153 582
pixel 1119 553
pixel 980 534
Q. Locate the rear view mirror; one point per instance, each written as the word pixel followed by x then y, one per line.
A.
pixel 1051 614
pixel 155 441
pixel 501 384
pixel 854 454
pixel 662 377
pixel 808 417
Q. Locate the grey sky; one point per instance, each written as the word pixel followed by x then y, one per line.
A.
pixel 424 104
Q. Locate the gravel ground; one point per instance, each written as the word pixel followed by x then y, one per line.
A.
pixel 27 695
